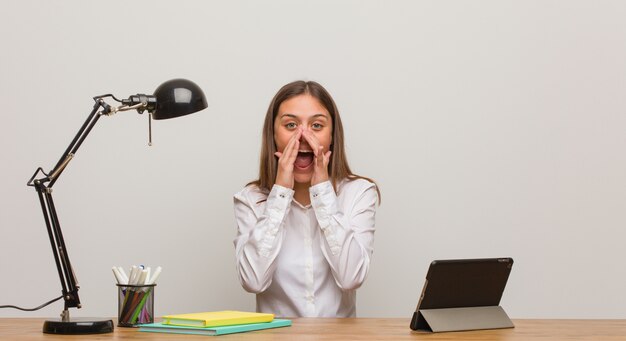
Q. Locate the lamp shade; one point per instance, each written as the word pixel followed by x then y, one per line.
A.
pixel 178 97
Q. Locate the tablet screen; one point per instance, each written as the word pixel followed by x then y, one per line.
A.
pixel 465 283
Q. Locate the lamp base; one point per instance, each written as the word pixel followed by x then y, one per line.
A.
pixel 78 326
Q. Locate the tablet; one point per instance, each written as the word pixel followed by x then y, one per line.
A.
pixel 461 283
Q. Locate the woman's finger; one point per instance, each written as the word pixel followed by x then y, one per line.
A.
pixel 327 158
pixel 319 156
pixel 312 140
pixel 290 146
pixel 286 160
pixel 294 144
pixel 294 153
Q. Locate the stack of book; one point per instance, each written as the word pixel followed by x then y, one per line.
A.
pixel 214 323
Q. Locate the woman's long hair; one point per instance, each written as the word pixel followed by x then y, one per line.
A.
pixel 338 164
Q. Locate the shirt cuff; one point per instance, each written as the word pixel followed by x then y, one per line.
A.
pixel 277 206
pixel 323 196
pixel 324 202
pixel 279 198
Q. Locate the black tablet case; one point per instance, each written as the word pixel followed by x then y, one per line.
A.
pixel 463 294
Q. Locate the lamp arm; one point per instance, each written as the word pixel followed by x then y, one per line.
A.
pixel 43 186
pixel 84 130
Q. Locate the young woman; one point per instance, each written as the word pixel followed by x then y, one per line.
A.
pixel 305 228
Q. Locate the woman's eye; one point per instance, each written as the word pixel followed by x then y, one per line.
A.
pixel 290 125
pixel 317 126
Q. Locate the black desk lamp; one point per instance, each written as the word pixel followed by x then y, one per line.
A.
pixel 171 99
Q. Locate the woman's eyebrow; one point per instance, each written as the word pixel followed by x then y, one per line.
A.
pixel 320 115
pixel 288 115
pixel 296 117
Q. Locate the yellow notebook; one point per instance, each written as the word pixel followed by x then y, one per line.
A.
pixel 216 318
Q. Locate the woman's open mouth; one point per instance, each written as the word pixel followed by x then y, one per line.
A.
pixel 304 159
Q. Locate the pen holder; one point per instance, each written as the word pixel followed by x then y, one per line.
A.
pixel 135 304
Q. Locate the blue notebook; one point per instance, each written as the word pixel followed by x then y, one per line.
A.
pixel 239 328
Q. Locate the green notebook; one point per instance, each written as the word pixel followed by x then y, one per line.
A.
pixel 239 328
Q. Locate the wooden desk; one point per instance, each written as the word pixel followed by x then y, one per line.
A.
pixel 350 329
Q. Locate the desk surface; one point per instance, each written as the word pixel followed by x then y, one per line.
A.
pixel 350 329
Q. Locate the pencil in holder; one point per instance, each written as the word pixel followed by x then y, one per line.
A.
pixel 135 304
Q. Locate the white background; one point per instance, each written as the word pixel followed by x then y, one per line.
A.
pixel 494 128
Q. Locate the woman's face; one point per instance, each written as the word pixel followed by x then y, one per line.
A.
pixel 307 112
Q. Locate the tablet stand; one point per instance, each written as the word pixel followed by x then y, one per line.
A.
pixel 458 319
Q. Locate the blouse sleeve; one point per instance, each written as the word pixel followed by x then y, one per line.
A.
pixel 259 236
pixel 347 229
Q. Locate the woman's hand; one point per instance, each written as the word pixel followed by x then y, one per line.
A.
pixel 321 158
pixel 286 159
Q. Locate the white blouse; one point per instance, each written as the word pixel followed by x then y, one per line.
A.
pixel 305 260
